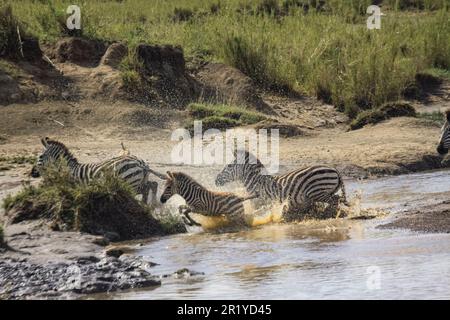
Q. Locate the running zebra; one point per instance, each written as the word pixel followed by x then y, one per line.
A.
pixel 444 142
pixel 300 188
pixel 132 169
pixel 201 200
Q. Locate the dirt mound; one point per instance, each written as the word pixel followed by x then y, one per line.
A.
pixel 225 84
pixel 77 50
pixel 105 206
pixel 114 55
pixel 165 74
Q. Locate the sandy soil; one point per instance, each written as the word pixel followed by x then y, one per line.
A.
pixel 94 131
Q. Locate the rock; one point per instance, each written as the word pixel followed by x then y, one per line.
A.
pixel 114 252
pixel 114 55
pixel 21 279
pixel 101 241
pixel 225 84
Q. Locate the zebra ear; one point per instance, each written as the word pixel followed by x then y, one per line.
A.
pixel 44 141
pixel 170 175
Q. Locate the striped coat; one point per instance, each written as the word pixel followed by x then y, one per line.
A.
pixel 201 200
pixel 299 187
pixel 130 168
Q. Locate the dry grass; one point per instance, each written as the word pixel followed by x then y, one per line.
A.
pixel 319 48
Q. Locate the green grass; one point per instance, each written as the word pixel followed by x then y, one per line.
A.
pixel 9 68
pixel 386 111
pixel 325 52
pixel 435 116
pixel 439 73
pixel 11 33
pixel 222 116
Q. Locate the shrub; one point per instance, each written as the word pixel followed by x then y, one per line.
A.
pixel 386 111
pixel 104 205
pixel 222 116
pixel 11 34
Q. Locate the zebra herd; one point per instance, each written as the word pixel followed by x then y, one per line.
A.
pixel 297 190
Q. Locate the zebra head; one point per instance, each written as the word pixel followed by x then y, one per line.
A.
pixel 170 187
pixel 53 151
pixel 237 170
pixel 444 142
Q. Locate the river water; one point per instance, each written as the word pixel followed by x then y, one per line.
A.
pixel 336 259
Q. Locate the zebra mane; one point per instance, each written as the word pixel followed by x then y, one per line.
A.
pixel 61 146
pixel 180 176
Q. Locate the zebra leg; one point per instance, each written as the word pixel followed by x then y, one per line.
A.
pixel 149 186
pixel 332 209
pixel 185 210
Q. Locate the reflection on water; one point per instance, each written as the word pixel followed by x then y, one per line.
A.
pixel 315 259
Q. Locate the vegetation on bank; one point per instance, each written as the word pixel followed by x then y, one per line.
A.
pixel 106 205
pixel 320 48
pixel 435 117
pixel 222 116
pixel 386 111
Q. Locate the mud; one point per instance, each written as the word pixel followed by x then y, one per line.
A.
pixel 433 218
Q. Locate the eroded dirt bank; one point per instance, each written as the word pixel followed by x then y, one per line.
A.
pixel 430 218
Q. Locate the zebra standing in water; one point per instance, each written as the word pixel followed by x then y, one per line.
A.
pixel 131 169
pixel 300 188
pixel 201 200
pixel 444 142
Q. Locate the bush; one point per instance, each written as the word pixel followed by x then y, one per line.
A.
pixel 222 116
pixel 435 117
pixel 105 205
pixel 387 111
pixel 11 34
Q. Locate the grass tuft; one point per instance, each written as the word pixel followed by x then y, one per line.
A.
pixel 222 116
pixel 386 111
pixel 11 34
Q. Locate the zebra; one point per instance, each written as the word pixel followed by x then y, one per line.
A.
pixel 444 141
pixel 298 188
pixel 201 200
pixel 130 168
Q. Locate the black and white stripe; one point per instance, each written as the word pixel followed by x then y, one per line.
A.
pixel 131 169
pixel 201 200
pixel 444 141
pixel 299 187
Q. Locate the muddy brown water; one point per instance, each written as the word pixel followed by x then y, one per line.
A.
pixel 336 259
pixel 313 260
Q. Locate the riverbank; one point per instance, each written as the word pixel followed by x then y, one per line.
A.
pixel 428 218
